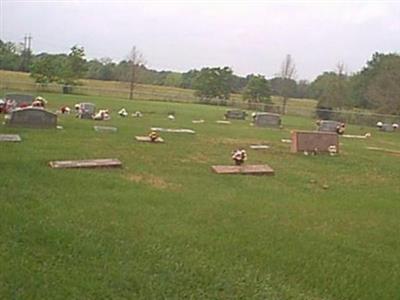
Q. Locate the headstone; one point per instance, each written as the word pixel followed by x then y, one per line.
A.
pixel 10 138
pixel 105 129
pixel 314 141
pixel 236 114
pixel 259 147
pixel 223 122
pixel 328 126
pixel 386 128
pixel 148 139
pixel 89 163
pixel 32 117
pixel 86 110
pixel 267 120
pixel 244 169
pixel 173 130
pixel 20 98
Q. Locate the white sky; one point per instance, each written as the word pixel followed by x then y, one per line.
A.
pixel 249 36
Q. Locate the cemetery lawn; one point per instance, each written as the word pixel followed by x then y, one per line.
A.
pixel 165 227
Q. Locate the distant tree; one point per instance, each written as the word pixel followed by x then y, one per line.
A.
pixel 288 72
pixel 257 90
pixel 9 56
pixel 48 68
pixel 213 83
pixel 173 79
pixel 135 60
pixel 278 85
pixel 302 89
pixel 188 79
pixel 74 66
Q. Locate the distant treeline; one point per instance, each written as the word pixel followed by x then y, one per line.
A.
pixel 375 87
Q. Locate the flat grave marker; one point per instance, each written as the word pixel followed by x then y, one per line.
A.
pixel 10 138
pixel 259 147
pixel 244 169
pixel 87 163
pixel 105 129
pixel 173 130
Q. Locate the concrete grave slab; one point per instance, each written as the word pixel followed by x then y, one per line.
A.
pixel 105 129
pixel 148 139
pixel 10 138
pixel 314 140
pixel 259 147
pixel 244 169
pixel 88 163
pixel 159 129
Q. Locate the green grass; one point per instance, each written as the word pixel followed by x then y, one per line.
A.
pixel 164 226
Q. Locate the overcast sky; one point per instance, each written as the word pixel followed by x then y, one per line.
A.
pixel 248 36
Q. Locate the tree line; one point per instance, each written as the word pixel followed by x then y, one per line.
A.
pixel 375 86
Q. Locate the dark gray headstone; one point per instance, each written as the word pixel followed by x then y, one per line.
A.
pixel 267 120
pixel 87 110
pixel 328 126
pixel 20 98
pixel 387 127
pixel 236 114
pixel 33 118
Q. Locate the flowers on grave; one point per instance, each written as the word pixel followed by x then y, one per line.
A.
pixel 171 117
pixel 239 156
pixel 153 135
pixel 395 126
pixel 340 128
pixel 379 124
pixel 332 150
pixel 39 102
pixel 123 112
pixel 103 114
pixel 65 110
pixel 137 114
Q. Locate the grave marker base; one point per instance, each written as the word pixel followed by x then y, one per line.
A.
pixel 147 139
pixel 245 169
pixel 88 163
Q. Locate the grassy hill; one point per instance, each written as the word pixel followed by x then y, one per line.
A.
pixel 18 81
pixel 165 227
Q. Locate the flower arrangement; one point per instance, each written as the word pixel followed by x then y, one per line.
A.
pixel 239 156
pixel 340 128
pixel 153 136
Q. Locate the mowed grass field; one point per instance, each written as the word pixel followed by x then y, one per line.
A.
pixel 18 81
pixel 165 227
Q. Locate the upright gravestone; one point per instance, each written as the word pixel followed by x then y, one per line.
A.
pixel 32 117
pixel 86 110
pixel 267 120
pixel 386 128
pixel 314 141
pixel 235 114
pixel 328 126
pixel 20 98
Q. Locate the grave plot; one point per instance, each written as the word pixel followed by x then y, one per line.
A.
pixel 314 141
pixel 244 169
pixel 267 120
pixel 105 129
pixel 32 117
pixel 10 138
pixel 87 163
pixel 173 130
pixel 235 114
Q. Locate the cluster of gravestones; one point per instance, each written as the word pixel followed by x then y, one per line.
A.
pixel 324 140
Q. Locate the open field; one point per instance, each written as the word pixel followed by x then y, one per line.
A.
pixel 18 81
pixel 165 227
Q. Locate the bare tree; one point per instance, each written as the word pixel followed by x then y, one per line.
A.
pixel 288 73
pixel 135 59
pixel 341 68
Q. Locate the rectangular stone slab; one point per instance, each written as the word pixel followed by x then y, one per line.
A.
pixel 88 163
pixel 10 138
pixel 259 147
pixel 311 140
pixel 245 169
pixel 105 129
pixel 147 139
pixel 173 130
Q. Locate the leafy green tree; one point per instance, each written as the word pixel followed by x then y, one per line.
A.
pixel 9 56
pixel 257 90
pixel 47 68
pixel 213 83
pixel 173 79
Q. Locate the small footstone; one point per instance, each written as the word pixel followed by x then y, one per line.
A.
pixel 10 138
